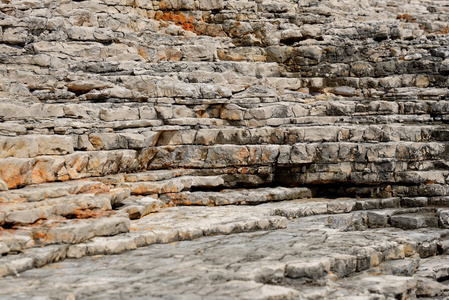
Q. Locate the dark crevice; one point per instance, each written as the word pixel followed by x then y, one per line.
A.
pixel 7 226
pixel 443 278
pixel 207 188
pixel 71 216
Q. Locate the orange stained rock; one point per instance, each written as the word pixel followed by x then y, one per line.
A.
pixel 375 259
pixel 209 29
pixel 47 238
pixel 80 213
pixel 445 30
pixel 96 141
pixel 171 188
pixel 6 200
pixel 97 188
pixel 63 178
pixel 141 189
pixel 241 155
pixel 224 55
pixel 143 53
pixel 15 172
pixel 39 175
pixel 38 235
pixel 173 55
pixel 244 170
pixel 97 191
pixel 163 5
pixel 406 17
pixel 178 18
pixel 46 168
pixel 76 164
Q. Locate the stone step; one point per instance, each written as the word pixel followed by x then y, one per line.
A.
pixel 197 182
pixel 210 104
pixel 239 196
pixel 175 185
pixel 404 218
pixel 34 145
pixel 392 254
pixel 138 207
pixel 42 191
pixel 70 206
pixel 350 259
pixel 424 241
pixel 341 156
pixel 176 180
pixel 320 206
pixel 346 173
pixel 402 267
pixel 402 287
pixel 328 136
pixel 89 137
pixel 443 217
pixel 169 225
pixel 140 236
pixel 288 134
pixel 270 135
pixel 57 231
pixel 185 223
pixel 432 277
pixel 414 221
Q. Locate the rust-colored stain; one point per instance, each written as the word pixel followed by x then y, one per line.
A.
pixel 91 213
pixel 173 55
pixel 94 189
pixel 38 235
pixel 143 189
pixel 143 53
pixel 209 29
pixel 12 174
pixel 405 17
pixel 445 30
pixel 38 175
pixel 163 5
pixel 189 23
pixel 97 190
pixel 177 18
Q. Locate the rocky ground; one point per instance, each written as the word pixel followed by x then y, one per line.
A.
pixel 287 148
pixel 340 251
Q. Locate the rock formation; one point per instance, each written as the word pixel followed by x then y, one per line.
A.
pixel 115 115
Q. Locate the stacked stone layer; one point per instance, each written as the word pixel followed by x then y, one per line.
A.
pixel 112 110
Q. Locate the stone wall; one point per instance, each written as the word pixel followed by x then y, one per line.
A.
pixel 105 101
pixel 314 89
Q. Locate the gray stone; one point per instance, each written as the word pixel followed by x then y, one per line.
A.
pixel 311 268
pixel 409 221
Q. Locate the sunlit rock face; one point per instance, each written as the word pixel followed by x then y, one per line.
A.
pixel 117 114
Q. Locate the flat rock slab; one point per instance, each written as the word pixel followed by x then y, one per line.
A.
pixel 273 264
pixel 98 236
pixel 239 196
pixel 414 221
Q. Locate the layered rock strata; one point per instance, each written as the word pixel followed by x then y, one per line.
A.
pixel 113 110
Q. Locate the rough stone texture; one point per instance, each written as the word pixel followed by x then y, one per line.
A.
pixel 307 259
pixel 130 123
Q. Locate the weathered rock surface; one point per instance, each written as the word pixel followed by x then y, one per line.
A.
pixel 307 258
pixel 126 123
